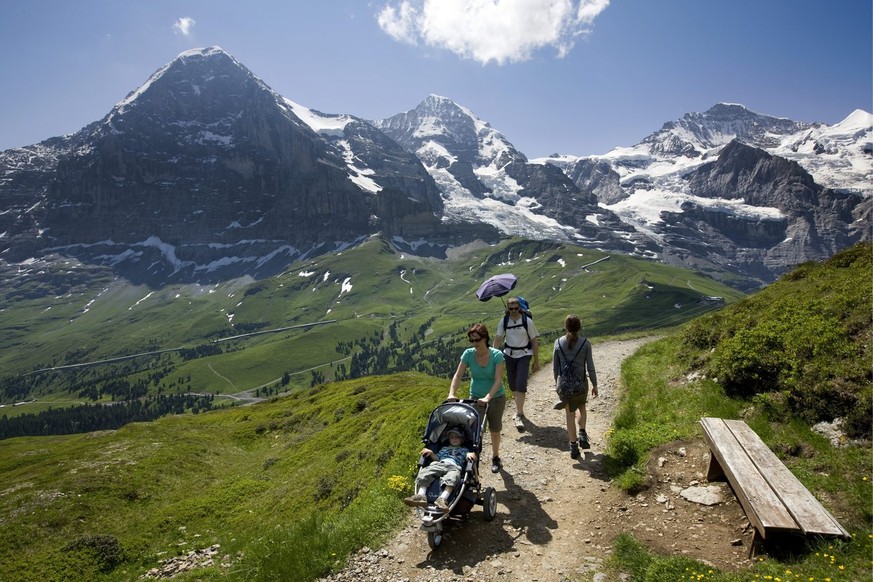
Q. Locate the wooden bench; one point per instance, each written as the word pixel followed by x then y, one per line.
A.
pixel 774 500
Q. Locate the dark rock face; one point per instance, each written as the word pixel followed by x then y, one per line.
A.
pixel 203 154
pixel 760 179
pixel 722 119
pixel 793 219
pixel 205 173
pixel 599 178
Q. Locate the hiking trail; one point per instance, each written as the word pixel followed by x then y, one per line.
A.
pixel 557 517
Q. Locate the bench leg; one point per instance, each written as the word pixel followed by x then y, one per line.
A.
pixel 714 472
pixel 757 540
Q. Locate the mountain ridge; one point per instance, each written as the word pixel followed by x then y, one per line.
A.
pixel 204 173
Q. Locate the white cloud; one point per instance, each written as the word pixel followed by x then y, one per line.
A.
pixel 184 25
pixel 491 30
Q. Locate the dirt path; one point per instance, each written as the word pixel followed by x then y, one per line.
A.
pixel 556 517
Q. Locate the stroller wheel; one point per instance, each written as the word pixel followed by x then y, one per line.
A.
pixel 434 539
pixel 490 503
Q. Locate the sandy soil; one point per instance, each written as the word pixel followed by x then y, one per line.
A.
pixel 557 517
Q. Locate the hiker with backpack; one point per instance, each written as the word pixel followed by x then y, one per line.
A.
pixel 518 336
pixel 572 357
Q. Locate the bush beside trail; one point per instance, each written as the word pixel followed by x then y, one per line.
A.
pixel 801 345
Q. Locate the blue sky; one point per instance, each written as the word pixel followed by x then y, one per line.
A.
pixel 554 76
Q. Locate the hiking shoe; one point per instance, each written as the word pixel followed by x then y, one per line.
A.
pixel 496 465
pixel 574 450
pixel 441 504
pixel 416 501
pixel 518 419
pixel 583 440
pixel 559 405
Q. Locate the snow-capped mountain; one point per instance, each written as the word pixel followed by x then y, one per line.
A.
pixel 785 182
pixel 484 179
pixel 205 173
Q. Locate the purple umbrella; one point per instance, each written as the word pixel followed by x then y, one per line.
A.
pixel 497 286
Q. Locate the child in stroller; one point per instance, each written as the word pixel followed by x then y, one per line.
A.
pixel 456 426
pixel 446 465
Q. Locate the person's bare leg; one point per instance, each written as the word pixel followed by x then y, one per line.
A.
pixel 519 402
pixel 571 424
pixel 581 418
pixel 571 434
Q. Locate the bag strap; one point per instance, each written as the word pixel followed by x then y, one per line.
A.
pixel 582 345
pixel 526 330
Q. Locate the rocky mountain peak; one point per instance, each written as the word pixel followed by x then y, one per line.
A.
pixel 696 133
pixel 440 128
pixel 200 87
pixel 205 173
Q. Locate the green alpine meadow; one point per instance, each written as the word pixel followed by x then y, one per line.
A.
pixel 275 423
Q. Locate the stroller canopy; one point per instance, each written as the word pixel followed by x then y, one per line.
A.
pixel 455 415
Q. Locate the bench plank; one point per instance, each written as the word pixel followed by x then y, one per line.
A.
pixel 763 507
pixel 806 510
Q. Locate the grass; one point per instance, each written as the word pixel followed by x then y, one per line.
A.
pixel 310 471
pixel 663 402
pixel 822 562
pixel 290 486
pixel 108 318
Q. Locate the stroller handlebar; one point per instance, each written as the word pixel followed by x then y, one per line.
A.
pixel 472 401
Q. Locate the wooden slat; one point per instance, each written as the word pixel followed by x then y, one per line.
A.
pixel 763 507
pixel 804 508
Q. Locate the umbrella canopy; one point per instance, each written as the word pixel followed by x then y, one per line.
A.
pixel 496 286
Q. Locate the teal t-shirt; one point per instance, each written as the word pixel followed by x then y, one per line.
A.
pixel 482 377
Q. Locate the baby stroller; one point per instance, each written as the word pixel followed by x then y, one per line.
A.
pixel 468 415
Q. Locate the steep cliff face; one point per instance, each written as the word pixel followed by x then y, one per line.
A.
pixel 760 213
pixel 599 178
pixel 483 178
pixel 203 173
pixel 203 153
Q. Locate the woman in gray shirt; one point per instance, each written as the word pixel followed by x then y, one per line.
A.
pixel 576 350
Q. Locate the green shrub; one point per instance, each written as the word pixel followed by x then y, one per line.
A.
pixel 856 422
pixel 807 336
pixel 623 448
pixel 103 551
pixel 749 362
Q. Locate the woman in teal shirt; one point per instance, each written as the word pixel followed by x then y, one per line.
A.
pixel 486 366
